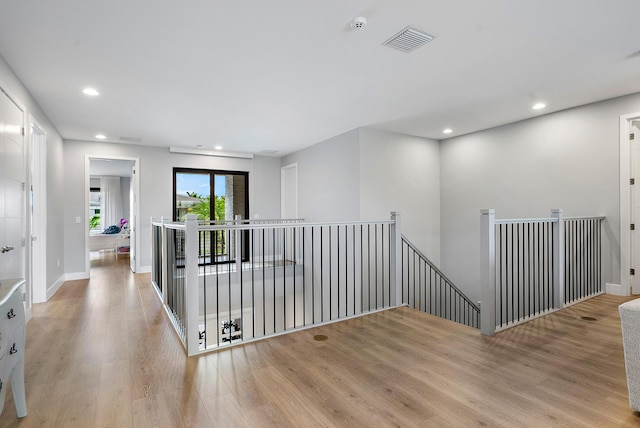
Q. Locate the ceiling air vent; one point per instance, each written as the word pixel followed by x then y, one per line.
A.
pixel 268 152
pixel 131 139
pixel 409 39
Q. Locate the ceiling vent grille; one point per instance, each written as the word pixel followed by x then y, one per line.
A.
pixel 131 139
pixel 409 39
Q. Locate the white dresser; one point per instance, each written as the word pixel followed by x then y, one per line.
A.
pixel 12 337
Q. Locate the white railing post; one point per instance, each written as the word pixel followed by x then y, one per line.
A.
pixel 165 261
pixel 558 257
pixel 191 283
pixel 488 271
pixel 395 295
pixel 154 253
pixel 237 237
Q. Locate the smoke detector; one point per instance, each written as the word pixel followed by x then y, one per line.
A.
pixel 358 23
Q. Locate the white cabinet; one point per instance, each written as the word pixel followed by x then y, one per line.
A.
pixel 12 338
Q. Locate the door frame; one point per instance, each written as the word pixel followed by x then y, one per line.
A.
pixel 133 222
pixel 626 280
pixel 38 248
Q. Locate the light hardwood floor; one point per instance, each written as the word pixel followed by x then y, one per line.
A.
pixel 102 353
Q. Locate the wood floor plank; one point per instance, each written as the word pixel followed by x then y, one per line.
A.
pixel 226 412
pixel 78 409
pixel 114 396
pixel 102 353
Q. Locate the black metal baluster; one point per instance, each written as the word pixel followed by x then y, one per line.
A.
pixel 338 266
pixel 313 276
pixel 375 235
pixel 253 284
pixel 361 269
pixel 330 255
pixel 295 299
pixel 353 247
pixel 369 265
pixel 229 281
pixel 284 277
pixel 273 256
pixel 321 275
pixel 264 282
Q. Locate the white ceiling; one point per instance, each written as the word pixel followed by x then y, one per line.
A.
pixel 284 74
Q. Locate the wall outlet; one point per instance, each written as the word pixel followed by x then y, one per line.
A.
pixel 78 220
pixel 58 262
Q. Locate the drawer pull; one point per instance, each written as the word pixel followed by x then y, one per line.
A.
pixel 0 386
pixel 13 350
pixel 11 314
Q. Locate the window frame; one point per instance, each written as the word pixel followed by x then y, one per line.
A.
pixel 212 174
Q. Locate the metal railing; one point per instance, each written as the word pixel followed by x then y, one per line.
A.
pixel 156 257
pixel 531 267
pixel 582 259
pixel 280 277
pixel 217 247
pixel 427 289
pixel 524 269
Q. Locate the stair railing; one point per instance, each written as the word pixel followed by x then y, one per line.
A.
pixel 426 288
pixel 532 267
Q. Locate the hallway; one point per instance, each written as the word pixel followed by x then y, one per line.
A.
pixel 102 353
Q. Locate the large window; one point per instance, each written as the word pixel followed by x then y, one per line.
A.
pixel 214 196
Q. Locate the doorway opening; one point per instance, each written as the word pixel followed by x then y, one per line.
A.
pixel 112 187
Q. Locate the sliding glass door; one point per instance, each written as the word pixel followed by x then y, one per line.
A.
pixel 216 197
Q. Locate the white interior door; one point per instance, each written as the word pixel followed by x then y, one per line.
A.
pixel 634 145
pixel 12 190
pixel 289 198
pixel 289 191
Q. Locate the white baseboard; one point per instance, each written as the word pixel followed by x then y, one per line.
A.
pixel 618 290
pixel 144 269
pixel 76 275
pixel 51 290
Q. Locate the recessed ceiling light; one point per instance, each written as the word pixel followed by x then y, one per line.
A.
pixel 447 131
pixel 90 91
pixel 218 147
pixel 539 106
pixel 101 136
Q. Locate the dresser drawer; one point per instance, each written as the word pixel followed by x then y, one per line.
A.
pixel 11 314
pixel 8 361
pixel 12 343
pixel 12 347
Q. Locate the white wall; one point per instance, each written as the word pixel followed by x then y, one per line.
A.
pixel 328 179
pixel 365 174
pixel 55 188
pixel 402 173
pixel 568 160
pixel 156 190
pixel 265 182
